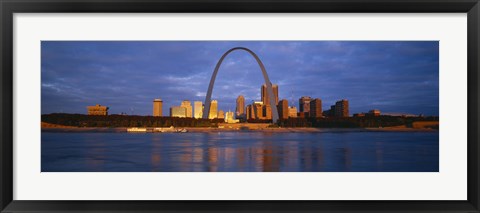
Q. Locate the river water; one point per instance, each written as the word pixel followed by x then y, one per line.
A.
pixel 241 152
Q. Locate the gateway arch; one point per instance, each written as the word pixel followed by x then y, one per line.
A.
pixel 206 109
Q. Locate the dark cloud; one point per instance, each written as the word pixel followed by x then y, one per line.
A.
pixel 393 76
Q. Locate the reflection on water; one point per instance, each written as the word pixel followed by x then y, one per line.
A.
pixel 240 152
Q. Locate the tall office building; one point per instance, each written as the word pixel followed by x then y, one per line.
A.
pixel 157 107
pixel 341 108
pixel 304 104
pixel 188 106
pixel 213 109
pixel 283 109
pixel 198 109
pixel 240 110
pixel 265 97
pixel 178 111
pixel 316 108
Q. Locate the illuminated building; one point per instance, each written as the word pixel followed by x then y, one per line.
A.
pixel 178 111
pixel 257 110
pixel 229 118
pixel 316 108
pixel 292 112
pixel 188 107
pixel 304 104
pixel 359 115
pixel 213 109
pixel 240 110
pixel 221 114
pixel 198 109
pixel 265 97
pixel 97 110
pixel 341 108
pixel 374 112
pixel 157 107
pixel 283 109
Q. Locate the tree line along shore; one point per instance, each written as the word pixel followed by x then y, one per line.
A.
pixel 59 120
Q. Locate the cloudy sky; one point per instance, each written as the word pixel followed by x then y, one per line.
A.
pixel 394 77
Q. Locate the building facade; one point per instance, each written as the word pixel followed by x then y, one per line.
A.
pixel 157 107
pixel 292 112
pixel 198 109
pixel 341 109
pixel 316 108
pixel 283 109
pixel 188 107
pixel 249 112
pixel 97 110
pixel 240 109
pixel 304 104
pixel 213 110
pixel 229 118
pixel 178 111
pixel 257 111
pixel 221 114
pixel 265 97
pixel 266 112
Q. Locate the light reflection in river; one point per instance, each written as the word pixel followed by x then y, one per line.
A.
pixel 240 152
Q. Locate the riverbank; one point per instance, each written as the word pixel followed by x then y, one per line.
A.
pixel 209 130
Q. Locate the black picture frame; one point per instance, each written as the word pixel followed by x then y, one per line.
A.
pixel 9 7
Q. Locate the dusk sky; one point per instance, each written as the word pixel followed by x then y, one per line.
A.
pixel 394 77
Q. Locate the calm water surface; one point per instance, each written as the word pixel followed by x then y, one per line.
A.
pixel 240 152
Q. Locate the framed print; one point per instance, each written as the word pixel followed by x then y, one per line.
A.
pixel 253 106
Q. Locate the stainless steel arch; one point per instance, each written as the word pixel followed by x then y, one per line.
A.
pixel 206 109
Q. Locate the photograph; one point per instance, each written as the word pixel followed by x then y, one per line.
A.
pixel 240 106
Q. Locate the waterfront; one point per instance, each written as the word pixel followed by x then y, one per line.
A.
pixel 240 152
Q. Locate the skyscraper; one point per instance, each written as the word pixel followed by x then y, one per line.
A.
pixel 198 109
pixel 157 107
pixel 213 109
pixel 188 107
pixel 240 110
pixel 341 108
pixel 304 104
pixel 283 109
pixel 265 97
pixel 316 108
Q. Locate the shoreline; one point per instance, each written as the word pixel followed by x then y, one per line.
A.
pixel 266 130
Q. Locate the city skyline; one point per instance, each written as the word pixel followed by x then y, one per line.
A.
pixel 395 77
